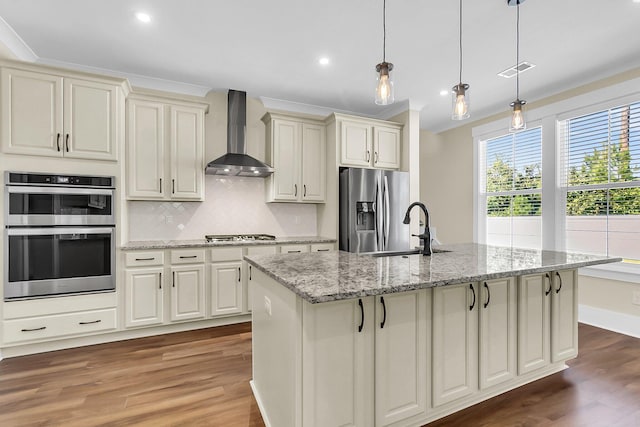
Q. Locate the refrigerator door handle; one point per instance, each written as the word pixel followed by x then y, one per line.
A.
pixel 387 212
pixel 377 205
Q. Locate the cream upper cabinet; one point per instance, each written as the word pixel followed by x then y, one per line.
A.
pixel 369 143
pixel 296 149
pixel 165 158
pixel 55 115
pixel 498 332
pixel 455 342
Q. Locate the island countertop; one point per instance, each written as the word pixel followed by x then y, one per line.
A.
pixel 332 276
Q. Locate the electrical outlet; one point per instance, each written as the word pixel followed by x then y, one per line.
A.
pixel 168 219
pixel 636 298
pixel 267 305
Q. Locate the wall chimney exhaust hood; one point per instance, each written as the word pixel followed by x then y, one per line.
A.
pixel 237 161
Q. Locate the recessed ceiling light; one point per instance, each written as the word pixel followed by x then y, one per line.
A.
pixel 444 92
pixel 636 1
pixel 323 61
pixel 143 17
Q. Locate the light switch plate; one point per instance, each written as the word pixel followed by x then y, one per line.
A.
pixel 267 305
pixel 636 298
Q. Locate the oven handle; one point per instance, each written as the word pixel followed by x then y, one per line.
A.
pixel 59 190
pixel 58 230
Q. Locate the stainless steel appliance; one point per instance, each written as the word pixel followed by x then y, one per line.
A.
pixel 372 209
pixel 59 236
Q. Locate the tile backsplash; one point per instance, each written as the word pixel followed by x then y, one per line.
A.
pixel 232 205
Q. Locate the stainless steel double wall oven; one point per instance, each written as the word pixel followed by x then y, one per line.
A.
pixel 59 235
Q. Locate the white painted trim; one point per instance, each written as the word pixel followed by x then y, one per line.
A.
pixel 620 271
pixel 263 412
pixel 610 320
pixel 14 43
pixel 135 79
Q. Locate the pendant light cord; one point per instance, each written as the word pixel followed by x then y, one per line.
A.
pixel 518 51
pixel 460 42
pixel 384 30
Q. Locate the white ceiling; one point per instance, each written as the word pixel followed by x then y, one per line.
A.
pixel 271 48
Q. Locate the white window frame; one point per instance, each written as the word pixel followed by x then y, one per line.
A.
pixel 553 215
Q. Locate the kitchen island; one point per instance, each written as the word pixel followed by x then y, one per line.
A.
pixel 346 339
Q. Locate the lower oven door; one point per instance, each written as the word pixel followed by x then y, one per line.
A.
pixel 58 260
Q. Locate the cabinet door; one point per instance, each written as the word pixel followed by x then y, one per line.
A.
pixel 146 149
pixel 143 298
pixel 31 113
pixel 187 153
pixel 90 120
pixel 187 292
pixel 226 288
pixel 337 367
pixel 564 316
pixel 534 295
pixel 401 356
pixel 314 163
pixel 355 144
pixel 248 268
pixel 286 160
pixel 386 147
pixel 455 343
pixel 498 331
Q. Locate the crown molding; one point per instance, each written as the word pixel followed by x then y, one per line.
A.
pixel 15 44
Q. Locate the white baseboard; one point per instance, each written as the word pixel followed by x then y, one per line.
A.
pixel 261 407
pixel 610 320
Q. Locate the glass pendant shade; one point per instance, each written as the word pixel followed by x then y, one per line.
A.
pixel 460 101
pixel 517 116
pixel 384 84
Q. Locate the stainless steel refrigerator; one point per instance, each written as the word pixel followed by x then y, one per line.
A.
pixel 372 207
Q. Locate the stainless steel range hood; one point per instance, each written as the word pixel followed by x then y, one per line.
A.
pixel 237 161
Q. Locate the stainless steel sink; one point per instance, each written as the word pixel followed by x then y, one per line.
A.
pixel 402 253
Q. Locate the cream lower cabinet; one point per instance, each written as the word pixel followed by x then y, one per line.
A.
pixel 254 250
pixel 296 148
pixel 455 342
pixel 357 346
pixel 49 114
pixel 226 287
pixel 187 292
pixel 165 141
pixel 144 297
pixel 547 319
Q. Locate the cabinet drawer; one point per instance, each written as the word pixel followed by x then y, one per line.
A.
pixel 187 256
pixel 226 254
pixel 61 305
pixel 44 327
pixel 143 259
pixel 261 250
pixel 323 247
pixel 293 249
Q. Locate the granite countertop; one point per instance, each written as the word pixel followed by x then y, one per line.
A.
pixel 174 244
pixel 332 276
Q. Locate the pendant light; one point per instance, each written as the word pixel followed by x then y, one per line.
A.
pixel 384 87
pixel 517 115
pixel 460 92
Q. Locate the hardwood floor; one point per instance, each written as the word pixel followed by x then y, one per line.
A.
pixel 201 378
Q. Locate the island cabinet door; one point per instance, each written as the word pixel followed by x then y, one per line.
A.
pixel 401 356
pixel 455 342
pixel 564 316
pixel 534 296
pixel 498 331
pixel 337 370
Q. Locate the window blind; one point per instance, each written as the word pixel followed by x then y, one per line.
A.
pixel 601 182
pixel 511 188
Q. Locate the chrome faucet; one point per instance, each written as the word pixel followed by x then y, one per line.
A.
pixel 426 235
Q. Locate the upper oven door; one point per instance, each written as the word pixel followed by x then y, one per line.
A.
pixel 29 205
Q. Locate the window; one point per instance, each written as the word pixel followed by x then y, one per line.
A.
pixel 511 189
pixel 601 182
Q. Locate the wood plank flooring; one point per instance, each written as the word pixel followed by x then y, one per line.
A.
pixel 200 378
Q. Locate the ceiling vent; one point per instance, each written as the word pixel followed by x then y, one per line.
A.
pixel 512 71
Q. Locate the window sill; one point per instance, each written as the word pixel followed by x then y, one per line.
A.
pixel 625 272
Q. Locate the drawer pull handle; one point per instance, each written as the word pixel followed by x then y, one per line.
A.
pixel 145 259
pixel 322 250
pixel 187 257
pixel 293 252
pixel 90 323
pixel 41 328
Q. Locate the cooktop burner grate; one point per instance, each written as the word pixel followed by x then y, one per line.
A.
pixel 238 237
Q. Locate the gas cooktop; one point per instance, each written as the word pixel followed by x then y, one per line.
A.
pixel 238 237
